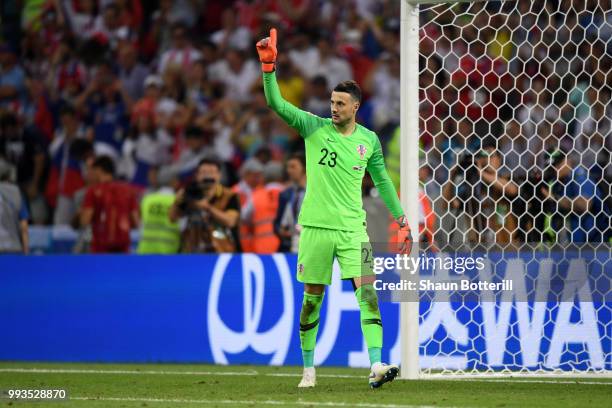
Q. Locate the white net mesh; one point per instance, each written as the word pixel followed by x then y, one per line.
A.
pixel 515 134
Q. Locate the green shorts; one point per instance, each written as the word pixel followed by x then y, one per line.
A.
pixel 319 246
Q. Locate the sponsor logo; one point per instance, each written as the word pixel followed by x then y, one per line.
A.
pixel 300 269
pixel 226 339
pixel 358 168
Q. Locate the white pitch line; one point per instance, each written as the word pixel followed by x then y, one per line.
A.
pixel 146 372
pixel 564 380
pixel 518 381
pixel 318 375
pixel 163 372
pixel 252 402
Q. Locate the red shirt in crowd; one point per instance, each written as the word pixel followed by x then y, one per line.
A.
pixel 114 205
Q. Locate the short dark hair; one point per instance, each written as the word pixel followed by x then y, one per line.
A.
pixel 8 119
pixel 105 163
pixel 194 132
pixel 319 80
pixel 68 109
pixel 299 156
pixel 351 88
pixel 211 161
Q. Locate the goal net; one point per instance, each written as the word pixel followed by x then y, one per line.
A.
pixel 515 138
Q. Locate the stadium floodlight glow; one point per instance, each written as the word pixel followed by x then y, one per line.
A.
pixel 541 85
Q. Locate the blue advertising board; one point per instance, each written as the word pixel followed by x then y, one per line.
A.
pixel 232 309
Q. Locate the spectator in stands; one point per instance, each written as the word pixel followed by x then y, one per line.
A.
pixel 332 67
pixel 83 242
pixel 231 35
pixel 383 82
pixel 66 75
pixel 131 72
pixel 65 174
pixel 317 101
pixel 24 149
pixel 305 55
pixel 12 79
pixel 290 82
pixel 212 212
pixel 146 149
pixel 81 19
pixel 13 215
pixel 199 90
pixel 261 211
pixel 107 107
pixel 469 75
pixel 181 53
pixel 238 75
pixel 501 196
pixel 111 208
pixel 576 198
pixel 197 147
pixel 251 177
pixel 159 234
pixel 109 27
pixel 289 204
pixel 264 132
pixel 467 195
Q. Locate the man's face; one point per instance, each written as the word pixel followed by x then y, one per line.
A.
pixel 495 159
pixel 208 171
pixel 179 38
pixel 343 108
pixel 295 170
pixel 253 178
pixel 110 18
pixel 563 169
pixel 194 143
pixel 68 121
pixel 5 58
pixel 127 56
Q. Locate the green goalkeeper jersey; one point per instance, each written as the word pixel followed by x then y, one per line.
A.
pixel 335 166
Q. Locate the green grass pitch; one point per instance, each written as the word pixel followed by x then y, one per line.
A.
pixel 185 385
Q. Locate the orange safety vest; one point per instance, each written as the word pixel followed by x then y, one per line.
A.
pixel 265 204
pixel 246 230
pixel 426 228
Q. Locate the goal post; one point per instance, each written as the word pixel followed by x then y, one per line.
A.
pixel 409 160
pixel 505 104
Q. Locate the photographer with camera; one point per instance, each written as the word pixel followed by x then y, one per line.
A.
pixel 212 212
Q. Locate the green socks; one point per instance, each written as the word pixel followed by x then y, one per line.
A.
pixel 309 326
pixel 371 325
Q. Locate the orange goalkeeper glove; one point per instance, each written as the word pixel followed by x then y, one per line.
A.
pixel 266 49
pixel 404 236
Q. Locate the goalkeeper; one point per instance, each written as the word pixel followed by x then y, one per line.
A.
pixel 338 151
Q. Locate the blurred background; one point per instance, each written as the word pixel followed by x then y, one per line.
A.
pixel 119 107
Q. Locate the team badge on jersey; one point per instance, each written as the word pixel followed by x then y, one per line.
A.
pixel 300 269
pixel 361 149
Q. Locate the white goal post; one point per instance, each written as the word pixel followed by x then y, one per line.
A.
pixel 541 98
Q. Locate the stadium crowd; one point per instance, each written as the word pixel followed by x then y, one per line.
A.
pixel 163 101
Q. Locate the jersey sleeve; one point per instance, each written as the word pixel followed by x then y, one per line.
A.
pixel 304 122
pixel 382 181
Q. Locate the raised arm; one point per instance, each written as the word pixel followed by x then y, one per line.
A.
pixel 305 123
